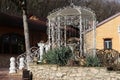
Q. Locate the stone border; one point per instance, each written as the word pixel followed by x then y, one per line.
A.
pixel 54 72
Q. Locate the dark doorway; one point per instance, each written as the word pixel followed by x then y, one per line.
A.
pixel 12 43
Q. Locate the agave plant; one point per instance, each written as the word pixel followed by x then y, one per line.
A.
pixel 92 61
pixel 58 56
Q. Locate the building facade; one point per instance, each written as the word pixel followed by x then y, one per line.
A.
pixel 12 33
pixel 108 33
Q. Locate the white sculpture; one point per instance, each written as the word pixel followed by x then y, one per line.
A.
pixel 47 47
pixel 41 50
pixel 12 65
pixel 71 46
pixel 22 65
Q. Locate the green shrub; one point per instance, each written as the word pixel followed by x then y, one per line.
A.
pixel 92 61
pixel 58 56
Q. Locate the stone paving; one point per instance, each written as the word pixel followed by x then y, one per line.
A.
pixel 4 75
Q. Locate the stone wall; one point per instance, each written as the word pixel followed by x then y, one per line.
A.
pixel 53 72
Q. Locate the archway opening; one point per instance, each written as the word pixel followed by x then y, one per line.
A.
pixel 12 43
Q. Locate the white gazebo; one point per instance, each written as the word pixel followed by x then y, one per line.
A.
pixel 72 22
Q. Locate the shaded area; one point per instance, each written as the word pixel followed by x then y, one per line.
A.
pixel 4 75
pixel 5 60
pixel 15 21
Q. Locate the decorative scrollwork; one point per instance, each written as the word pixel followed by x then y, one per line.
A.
pixel 34 51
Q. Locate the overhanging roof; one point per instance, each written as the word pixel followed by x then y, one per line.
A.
pixel 15 21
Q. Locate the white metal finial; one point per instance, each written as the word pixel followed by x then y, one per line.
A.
pixel 71 3
pixel 41 50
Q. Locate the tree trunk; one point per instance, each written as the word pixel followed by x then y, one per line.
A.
pixel 26 34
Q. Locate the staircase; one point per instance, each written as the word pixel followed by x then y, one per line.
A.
pixel 4 71
pixel 34 51
pixel 5 63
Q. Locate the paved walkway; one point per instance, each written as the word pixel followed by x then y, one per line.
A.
pixel 4 75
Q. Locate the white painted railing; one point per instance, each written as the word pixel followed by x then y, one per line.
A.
pixel 21 60
pixel 33 52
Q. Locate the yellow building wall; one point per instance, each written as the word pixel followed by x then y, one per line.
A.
pixel 108 30
pixel 89 41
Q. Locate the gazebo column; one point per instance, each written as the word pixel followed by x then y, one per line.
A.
pixel 65 32
pixel 84 37
pixel 58 30
pixel 49 32
pixel 94 37
pixel 52 35
pixel 80 33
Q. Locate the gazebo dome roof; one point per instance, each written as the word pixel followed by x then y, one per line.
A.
pixel 72 11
